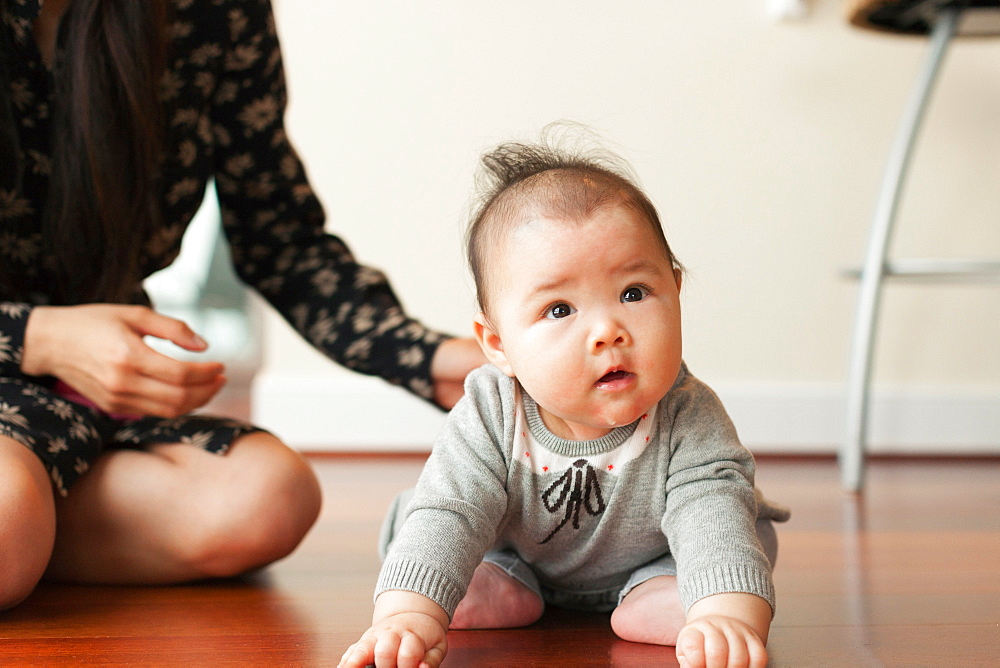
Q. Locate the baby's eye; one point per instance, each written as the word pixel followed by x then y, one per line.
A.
pixel 634 294
pixel 560 310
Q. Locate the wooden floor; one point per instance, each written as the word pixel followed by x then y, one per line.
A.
pixel 909 575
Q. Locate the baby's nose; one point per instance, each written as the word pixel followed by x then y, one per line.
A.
pixel 608 332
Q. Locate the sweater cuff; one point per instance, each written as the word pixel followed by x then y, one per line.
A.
pixel 728 579
pixel 412 576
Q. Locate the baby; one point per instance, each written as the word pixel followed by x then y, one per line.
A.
pixel 586 467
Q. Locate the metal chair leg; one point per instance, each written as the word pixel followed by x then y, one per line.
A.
pixel 873 272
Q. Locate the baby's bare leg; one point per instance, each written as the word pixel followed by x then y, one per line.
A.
pixel 495 600
pixel 651 613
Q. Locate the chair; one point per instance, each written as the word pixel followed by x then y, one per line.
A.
pixel 942 20
pixel 201 288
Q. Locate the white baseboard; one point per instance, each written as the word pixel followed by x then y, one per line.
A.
pixel 349 414
pixel 343 413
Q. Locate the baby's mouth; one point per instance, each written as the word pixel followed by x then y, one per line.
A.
pixel 612 376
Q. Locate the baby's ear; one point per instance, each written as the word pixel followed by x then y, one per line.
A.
pixel 489 341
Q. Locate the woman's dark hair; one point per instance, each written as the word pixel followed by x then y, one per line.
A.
pixel 10 175
pixel 568 174
pixel 107 144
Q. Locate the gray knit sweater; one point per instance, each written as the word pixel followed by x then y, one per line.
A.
pixel 583 514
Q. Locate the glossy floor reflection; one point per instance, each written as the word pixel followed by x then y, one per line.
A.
pixel 908 575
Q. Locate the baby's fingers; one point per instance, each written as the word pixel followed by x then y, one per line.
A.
pixel 705 646
pixel 358 655
pixel 691 648
pixel 386 650
pixel 407 650
pixel 736 652
pixel 413 653
pixel 708 646
pixel 434 656
pixel 758 654
pixel 744 649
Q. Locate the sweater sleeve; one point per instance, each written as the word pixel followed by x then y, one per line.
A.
pixel 275 222
pixel 711 504
pixel 460 499
pixel 13 322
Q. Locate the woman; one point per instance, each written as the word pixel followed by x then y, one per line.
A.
pixel 113 116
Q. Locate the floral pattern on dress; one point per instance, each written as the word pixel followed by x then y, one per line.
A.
pixel 224 92
pixel 224 96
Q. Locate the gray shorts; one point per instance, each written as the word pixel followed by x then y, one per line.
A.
pixel 608 599
pixel 601 600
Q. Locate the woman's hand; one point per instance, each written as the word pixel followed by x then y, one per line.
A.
pixel 98 350
pixel 452 362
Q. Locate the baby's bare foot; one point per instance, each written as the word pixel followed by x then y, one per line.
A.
pixel 495 600
pixel 651 613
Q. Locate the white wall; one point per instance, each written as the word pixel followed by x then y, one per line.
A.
pixel 761 142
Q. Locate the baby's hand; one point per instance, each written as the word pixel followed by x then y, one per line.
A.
pixel 403 640
pixel 717 641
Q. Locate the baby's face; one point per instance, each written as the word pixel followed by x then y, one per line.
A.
pixel 587 317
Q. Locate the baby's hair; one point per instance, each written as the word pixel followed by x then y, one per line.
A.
pixel 568 175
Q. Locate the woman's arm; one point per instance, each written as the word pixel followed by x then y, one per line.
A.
pixel 275 223
pixel 452 362
pixel 13 321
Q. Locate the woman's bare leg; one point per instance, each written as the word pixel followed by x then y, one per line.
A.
pixel 27 521
pixel 175 513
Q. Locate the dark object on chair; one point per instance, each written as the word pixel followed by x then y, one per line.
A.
pixel 979 18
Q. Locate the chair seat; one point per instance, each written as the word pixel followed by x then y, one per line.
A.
pixel 980 18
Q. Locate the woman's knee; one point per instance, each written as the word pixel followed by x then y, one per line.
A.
pixel 27 522
pixel 265 505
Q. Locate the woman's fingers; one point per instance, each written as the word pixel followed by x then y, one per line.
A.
pixel 151 397
pixel 147 322
pixel 100 351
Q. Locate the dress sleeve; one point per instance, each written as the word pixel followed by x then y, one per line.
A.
pixel 711 503
pixel 275 223
pixel 13 322
pixel 460 499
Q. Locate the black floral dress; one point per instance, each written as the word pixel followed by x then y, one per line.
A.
pixel 224 94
